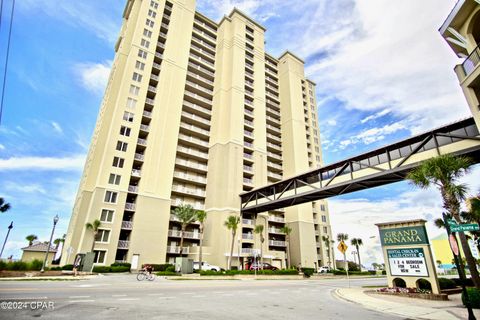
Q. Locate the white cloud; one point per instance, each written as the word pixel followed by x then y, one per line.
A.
pixel 56 127
pixel 2 147
pixel 332 122
pixel 42 163
pixel 24 188
pixel 376 115
pixel 372 135
pixel 94 76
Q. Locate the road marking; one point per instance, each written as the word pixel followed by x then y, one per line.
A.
pixel 199 296
pixel 75 301
pixel 24 298
pixel 228 294
pixel 186 293
pixel 129 299
pixel 119 295
pixel 78 297
pixel 220 292
pixel 251 293
pixel 156 294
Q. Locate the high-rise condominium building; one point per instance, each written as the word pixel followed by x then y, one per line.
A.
pixel 196 112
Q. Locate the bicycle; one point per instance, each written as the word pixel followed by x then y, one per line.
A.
pixel 144 274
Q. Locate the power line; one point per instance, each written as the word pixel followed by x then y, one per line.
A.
pixel 6 59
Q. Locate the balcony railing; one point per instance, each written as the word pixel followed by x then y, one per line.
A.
pixel 179 202
pixel 198 97
pixel 191 165
pixel 275 230
pixel 157 66
pixel 128 225
pixel 204 43
pixel 171 249
pixel 123 244
pixel 276 219
pixel 274 165
pixel 139 156
pixel 193 152
pixel 248 221
pixel 133 189
pixel 277 243
pixel 136 173
pixel 147 114
pixel 247 250
pixel 189 177
pixel 130 206
pixel 248 236
pixel 247 181
pixel 194 128
pixel 197 107
pixel 193 140
pixel 142 142
pixel 186 234
pixel 471 61
pixel 196 76
pixel 199 87
pixel 189 191
pixel 144 127
pixel 149 101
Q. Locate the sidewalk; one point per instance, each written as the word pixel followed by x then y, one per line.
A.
pixel 407 307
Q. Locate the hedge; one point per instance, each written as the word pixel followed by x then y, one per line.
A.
pixel 105 269
pixel 121 264
pixel 234 272
pixel 445 283
pixel 353 273
pixel 161 267
pixel 67 267
pixel 167 273
pixel 307 272
pixel 474 297
pixel 468 282
pixel 34 265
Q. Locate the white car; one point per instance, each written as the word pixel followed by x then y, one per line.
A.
pixel 323 269
pixel 205 266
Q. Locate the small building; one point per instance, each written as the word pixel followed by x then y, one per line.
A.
pixel 37 251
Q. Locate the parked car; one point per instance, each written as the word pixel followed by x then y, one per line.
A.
pixel 205 266
pixel 323 269
pixel 266 266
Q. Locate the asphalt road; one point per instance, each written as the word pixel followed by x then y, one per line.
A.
pixel 123 297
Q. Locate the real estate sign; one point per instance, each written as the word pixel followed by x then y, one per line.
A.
pixel 403 236
pixel 407 262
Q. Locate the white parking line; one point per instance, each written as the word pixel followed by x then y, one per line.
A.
pixel 129 299
pixel 187 293
pixel 220 292
pixel 199 296
pixel 228 294
pixel 156 294
pixel 119 295
pixel 75 301
pixel 78 297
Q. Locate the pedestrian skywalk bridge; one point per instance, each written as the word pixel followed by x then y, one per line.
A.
pixel 378 167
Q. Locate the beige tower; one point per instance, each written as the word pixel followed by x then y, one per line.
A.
pixel 196 113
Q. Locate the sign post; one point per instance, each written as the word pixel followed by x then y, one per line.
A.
pixel 342 247
pixel 451 225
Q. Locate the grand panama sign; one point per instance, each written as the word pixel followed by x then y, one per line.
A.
pixel 403 236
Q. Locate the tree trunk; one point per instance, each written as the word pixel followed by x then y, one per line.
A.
pixel 359 261
pixel 261 251
pixel 288 252
pixel 200 249
pixel 93 243
pixel 472 265
pixel 231 250
pixel 181 240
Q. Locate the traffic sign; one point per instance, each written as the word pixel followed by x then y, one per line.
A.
pixel 453 244
pixel 342 247
pixel 464 227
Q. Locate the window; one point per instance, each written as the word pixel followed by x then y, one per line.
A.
pixel 137 77
pixel 106 216
pixel 125 131
pixel 149 23
pixel 131 103
pixel 311 100
pixel 118 162
pixel 325 230
pixel 147 33
pixel 140 65
pixel 110 197
pixel 114 179
pixel 102 235
pixel 99 256
pixel 145 43
pixel 122 146
pixel 154 4
pixel 142 54
pixel 322 207
pixel 324 218
pixel 128 116
pixel 134 90
pixel 152 13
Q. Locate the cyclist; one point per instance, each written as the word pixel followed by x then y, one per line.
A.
pixel 148 268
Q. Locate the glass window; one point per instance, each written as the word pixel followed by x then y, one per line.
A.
pixel 128 116
pixel 122 146
pixel 114 179
pixel 131 103
pixel 145 43
pixel 149 23
pixel 110 197
pixel 154 4
pixel 147 33
pixel 137 77
pixel 140 65
pixel 99 256
pixel 102 235
pixel 125 131
pixel 106 216
pixel 152 13
pixel 118 162
pixel 134 90
pixel 324 218
pixel 142 54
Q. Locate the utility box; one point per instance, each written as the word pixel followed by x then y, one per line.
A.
pixel 184 265
pixel 87 262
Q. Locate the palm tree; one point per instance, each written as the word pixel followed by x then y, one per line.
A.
pixel 201 217
pixel 357 242
pixel 328 242
pixel 30 238
pixel 94 227
pixel 259 230
pixel 342 237
pixel 232 223
pixel 4 207
pixel 57 242
pixel 443 172
pixel 287 230
pixel 186 214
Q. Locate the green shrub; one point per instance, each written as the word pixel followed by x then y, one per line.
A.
pixel 17 266
pixel 468 282
pixel 170 268
pixel 445 283
pixel 3 265
pixel 167 273
pixel 162 267
pixel 474 297
pixel 101 269
pixel 56 268
pixel 35 265
pixel 307 272
pixel 121 264
pixel 372 272
pixel 384 272
pixel 212 273
pixel 424 284
pixel 67 267
pixel 119 268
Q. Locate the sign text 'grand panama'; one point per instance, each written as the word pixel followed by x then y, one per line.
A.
pixel 403 236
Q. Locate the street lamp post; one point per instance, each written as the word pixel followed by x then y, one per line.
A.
pixel 10 227
pixel 55 220
pixel 264 216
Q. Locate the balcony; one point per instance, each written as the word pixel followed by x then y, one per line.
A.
pixel 274 146
pixel 147 114
pixel 247 236
pixel 174 218
pixel 154 77
pixel 194 129
pixel 274 155
pixel 247 250
pixel 248 133
pixel 248 145
pixel 198 97
pixel 197 107
pixel 150 102
pixel 158 55
pixel 204 25
pixel 152 89
pixel 163 35
pixel 248 168
pixel 202 51
pixel 274 165
pixel 193 140
pixel 130 206
pixel 204 43
pixel 249 112
pixel 171 249
pixel 196 118
pixel 123 244
pixel 199 87
pixel 187 190
pixel 276 219
pixel 144 127
pixel 189 177
pixel 202 60
pixel 247 156
pixel 277 243
pixel 196 76
pixel 127 225
pixel 157 66
pixel 247 181
pixel 248 123
pixel 204 34
pixel 165 25
pixel 139 157
pixel 177 202
pixel 273 104
pixel 471 62
pixel 192 152
pixel 136 173
pixel 249 222
pixel 273 128
pixel 275 230
pixel 191 165
pixel 142 142
pixel 186 234
pixel 133 189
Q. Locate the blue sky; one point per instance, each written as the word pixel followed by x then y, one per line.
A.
pixel 382 71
